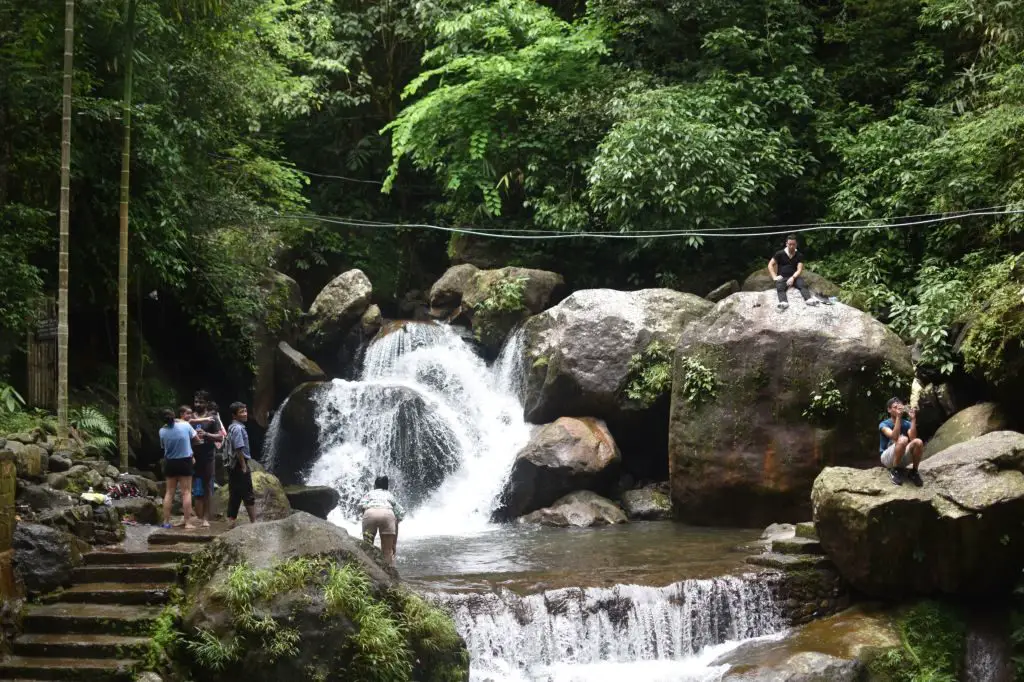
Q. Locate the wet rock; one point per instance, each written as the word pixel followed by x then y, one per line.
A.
pixel 371 321
pixel 145 510
pixel 747 435
pixel 447 292
pixel 959 534
pixel 966 424
pixel 494 310
pixel 292 369
pixel 647 504
pixel 93 524
pixel 807 666
pixel 107 528
pixel 566 455
pixel 145 486
pixel 31 462
pixel 337 307
pixel 59 462
pixel 42 497
pixel 762 281
pixel 45 556
pixel 722 291
pixel 317 500
pixel 581 509
pixel 323 647
pixel 271 501
pixel 299 434
pixel 280 324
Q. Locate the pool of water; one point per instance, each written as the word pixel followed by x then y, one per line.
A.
pixel 527 559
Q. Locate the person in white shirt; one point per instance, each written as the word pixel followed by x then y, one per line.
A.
pixel 381 514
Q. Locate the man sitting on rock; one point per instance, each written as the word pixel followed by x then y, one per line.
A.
pixel 786 268
pixel 898 442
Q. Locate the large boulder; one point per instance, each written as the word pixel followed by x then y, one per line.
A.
pixel 293 369
pixel 318 500
pixel 498 300
pixel 284 308
pixel 580 362
pixel 959 534
pixel 763 400
pixel 45 556
pixel 337 307
pixel 100 525
pixel 582 509
pixel 298 434
pixel 966 424
pixel 271 500
pixel 447 292
pixel 32 461
pixel 806 666
pixel 41 497
pixel 647 504
pixel 327 610
pixel 762 281
pixel 144 510
pixel 566 455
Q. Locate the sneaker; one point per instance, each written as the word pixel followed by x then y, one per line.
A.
pixel 914 477
pixel 812 301
pixel 896 476
pixel 783 306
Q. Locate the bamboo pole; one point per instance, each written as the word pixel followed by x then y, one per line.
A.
pixel 65 230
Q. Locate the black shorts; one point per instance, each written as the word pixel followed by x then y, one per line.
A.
pixel 176 468
pixel 205 468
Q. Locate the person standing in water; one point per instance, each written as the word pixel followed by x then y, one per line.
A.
pixel 177 438
pixel 381 514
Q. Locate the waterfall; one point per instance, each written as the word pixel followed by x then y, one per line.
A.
pixel 553 636
pixel 270 440
pixel 432 416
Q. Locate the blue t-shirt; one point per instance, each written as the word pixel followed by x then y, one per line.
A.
pixel 239 438
pixel 883 440
pixel 176 440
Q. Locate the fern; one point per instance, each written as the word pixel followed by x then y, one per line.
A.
pixel 93 428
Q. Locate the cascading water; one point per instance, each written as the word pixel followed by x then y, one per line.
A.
pixel 430 414
pixel 671 633
pixel 271 440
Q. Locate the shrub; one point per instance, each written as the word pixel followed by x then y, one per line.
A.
pixel 650 374
pixel 933 641
pixel 699 383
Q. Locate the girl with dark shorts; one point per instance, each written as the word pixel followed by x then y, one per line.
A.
pixel 176 439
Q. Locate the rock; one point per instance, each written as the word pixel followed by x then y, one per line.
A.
pixel 298 433
pixel 722 291
pixel 45 556
pixel 271 501
pixel 57 481
pixel 959 534
pixel 322 644
pixel 966 424
pixel 337 307
pixel 319 500
pixel 371 321
pixel 31 462
pixel 566 455
pixel 148 676
pixel 292 369
pixel 284 310
pixel 779 531
pixel 144 510
pixel 42 497
pixel 143 484
pixel 647 504
pixel 59 462
pixel 745 439
pixel 498 300
pixel 578 357
pixel 762 281
pixel 581 509
pixel 447 292
pixel 107 528
pixel 807 666
pixel 14 446
pixel 23 438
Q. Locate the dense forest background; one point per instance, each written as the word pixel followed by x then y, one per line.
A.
pixel 251 117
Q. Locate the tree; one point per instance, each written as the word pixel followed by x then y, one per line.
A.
pixel 65 228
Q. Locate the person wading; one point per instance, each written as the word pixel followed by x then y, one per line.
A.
pixel 176 438
pixel 381 514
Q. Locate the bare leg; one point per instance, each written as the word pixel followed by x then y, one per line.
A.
pixel 199 503
pixel 250 509
pixel 898 451
pixel 185 483
pixel 916 448
pixel 170 485
pixel 387 546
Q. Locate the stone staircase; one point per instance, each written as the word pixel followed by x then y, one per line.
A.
pixel 99 628
pixel 801 551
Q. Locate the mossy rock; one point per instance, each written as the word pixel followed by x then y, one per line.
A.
pixel 271 501
pixel 966 424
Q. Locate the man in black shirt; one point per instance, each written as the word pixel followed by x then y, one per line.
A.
pixel 786 268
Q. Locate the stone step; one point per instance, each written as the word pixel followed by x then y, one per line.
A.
pixel 796 546
pixel 94 670
pixel 133 573
pixel 788 562
pixel 81 646
pixel 127 594
pixel 180 536
pixel 162 555
pixel 807 530
pixel 90 619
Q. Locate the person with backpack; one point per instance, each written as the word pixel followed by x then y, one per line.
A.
pixel 238 461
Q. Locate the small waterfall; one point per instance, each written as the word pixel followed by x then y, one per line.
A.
pixel 431 415
pixel 531 638
pixel 509 367
pixel 270 440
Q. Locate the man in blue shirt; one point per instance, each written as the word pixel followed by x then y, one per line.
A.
pixel 898 442
pixel 240 489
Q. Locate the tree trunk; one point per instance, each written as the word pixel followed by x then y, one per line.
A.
pixel 122 264
pixel 65 231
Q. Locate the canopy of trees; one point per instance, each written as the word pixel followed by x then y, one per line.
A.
pixel 561 116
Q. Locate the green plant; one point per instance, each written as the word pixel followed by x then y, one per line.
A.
pixel 932 644
pixel 541 362
pixel 211 652
pixel 164 638
pixel 699 383
pixel 504 295
pixel 826 401
pixel 650 373
pixel 10 400
pixel 93 428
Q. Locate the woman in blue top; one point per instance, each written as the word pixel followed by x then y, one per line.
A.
pixel 176 439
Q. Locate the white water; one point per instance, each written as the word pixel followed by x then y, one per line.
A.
pixel 431 415
pixel 671 633
pixel 270 441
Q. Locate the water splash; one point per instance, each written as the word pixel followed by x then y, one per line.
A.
pixel 430 414
pixel 271 440
pixel 576 633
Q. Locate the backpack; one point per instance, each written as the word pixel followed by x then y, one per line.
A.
pixel 228 452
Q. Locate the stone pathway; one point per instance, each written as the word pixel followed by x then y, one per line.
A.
pixel 98 629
